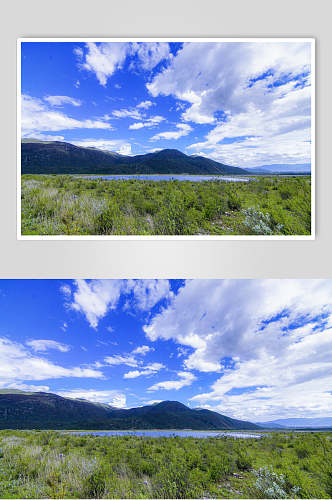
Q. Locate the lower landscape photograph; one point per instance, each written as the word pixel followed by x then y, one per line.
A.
pixel 163 388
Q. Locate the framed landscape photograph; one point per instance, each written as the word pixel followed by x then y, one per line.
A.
pixel 199 388
pixel 166 138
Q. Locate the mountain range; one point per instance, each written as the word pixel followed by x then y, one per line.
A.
pixel 54 157
pixel 282 168
pixel 288 423
pixel 40 410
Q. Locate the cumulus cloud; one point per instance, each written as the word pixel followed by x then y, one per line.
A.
pixel 104 59
pixel 150 54
pixel 260 89
pixel 270 341
pixel 143 349
pixel 183 129
pixel 95 298
pixel 18 364
pixel 45 345
pixel 59 100
pixel 279 134
pixel 185 379
pixel 112 398
pixel 37 117
pixel 147 293
pixel 145 104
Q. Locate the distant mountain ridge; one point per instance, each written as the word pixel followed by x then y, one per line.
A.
pixel 298 422
pixel 284 168
pixel 39 410
pixel 54 157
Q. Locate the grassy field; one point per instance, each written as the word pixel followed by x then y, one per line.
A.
pixel 50 464
pixel 65 205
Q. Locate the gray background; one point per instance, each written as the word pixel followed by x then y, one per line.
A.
pixel 161 18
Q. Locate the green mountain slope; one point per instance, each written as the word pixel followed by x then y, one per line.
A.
pixel 39 410
pixel 39 157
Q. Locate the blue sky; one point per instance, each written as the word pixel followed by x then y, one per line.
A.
pixel 250 349
pixel 243 104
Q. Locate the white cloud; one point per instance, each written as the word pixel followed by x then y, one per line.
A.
pixel 95 298
pixel 112 398
pixel 148 292
pixel 104 59
pixel 45 345
pixel 66 290
pixel 154 367
pixel 118 146
pixel 145 104
pixel 185 379
pixel 137 126
pixel 256 87
pixel 150 369
pixel 143 349
pixel 270 340
pixel 150 54
pixel 127 113
pixel 184 129
pixel 149 122
pixel 119 359
pixel 154 401
pixel 37 117
pixel 18 364
pixel 78 51
pixel 279 134
pixel 59 100
pixel 135 113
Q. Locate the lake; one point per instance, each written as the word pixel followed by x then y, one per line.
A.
pixel 185 433
pixel 170 177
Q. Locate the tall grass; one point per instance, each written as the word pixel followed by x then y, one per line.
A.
pixel 50 464
pixel 71 206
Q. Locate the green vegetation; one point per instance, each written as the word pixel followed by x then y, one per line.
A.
pixel 50 464
pixel 58 204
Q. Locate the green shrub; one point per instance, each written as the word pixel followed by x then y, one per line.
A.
pixel 243 461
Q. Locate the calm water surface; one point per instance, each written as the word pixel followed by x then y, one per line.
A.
pixel 189 433
pixel 192 178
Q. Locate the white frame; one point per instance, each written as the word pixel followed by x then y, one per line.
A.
pixel 169 237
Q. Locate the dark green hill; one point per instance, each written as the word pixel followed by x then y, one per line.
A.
pixel 39 410
pixel 39 157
